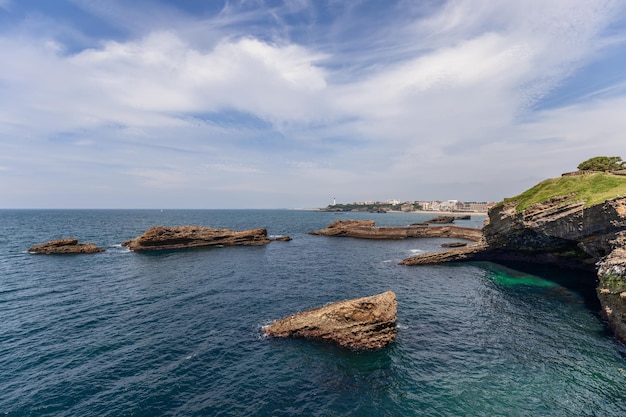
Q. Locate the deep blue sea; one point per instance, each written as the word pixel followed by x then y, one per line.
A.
pixel 178 333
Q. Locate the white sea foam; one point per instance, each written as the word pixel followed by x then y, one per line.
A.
pixel 416 251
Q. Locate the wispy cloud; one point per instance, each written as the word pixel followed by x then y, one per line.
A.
pixel 418 101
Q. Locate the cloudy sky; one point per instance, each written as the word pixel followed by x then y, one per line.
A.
pixel 289 103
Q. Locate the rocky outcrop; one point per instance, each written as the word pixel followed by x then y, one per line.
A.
pixel 475 252
pixel 447 219
pixel 63 246
pixel 362 323
pixel 560 231
pixel 366 229
pixel 612 286
pixel 179 237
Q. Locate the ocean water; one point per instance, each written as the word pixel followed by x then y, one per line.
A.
pixel 178 333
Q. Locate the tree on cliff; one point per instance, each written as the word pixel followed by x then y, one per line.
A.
pixel 602 163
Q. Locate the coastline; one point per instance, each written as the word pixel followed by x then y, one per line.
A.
pixel 433 212
pixel 449 213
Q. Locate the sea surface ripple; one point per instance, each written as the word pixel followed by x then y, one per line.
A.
pixel 178 333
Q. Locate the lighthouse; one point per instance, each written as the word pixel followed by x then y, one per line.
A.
pixel 334 201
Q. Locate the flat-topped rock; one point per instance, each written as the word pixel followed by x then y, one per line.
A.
pixel 67 245
pixel 367 229
pixel 361 323
pixel 180 237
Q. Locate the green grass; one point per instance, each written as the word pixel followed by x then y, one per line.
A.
pixel 593 188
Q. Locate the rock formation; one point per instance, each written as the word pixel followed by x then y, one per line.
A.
pixel 453 245
pixel 366 229
pixel 362 323
pixel 179 237
pixel 612 286
pixel 69 245
pixel 560 231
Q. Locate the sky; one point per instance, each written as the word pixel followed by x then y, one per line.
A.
pixel 294 103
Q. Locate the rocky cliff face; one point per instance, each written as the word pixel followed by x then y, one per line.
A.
pixel 612 286
pixel 557 226
pixel 594 235
pixel 562 232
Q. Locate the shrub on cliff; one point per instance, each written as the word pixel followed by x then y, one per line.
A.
pixel 602 163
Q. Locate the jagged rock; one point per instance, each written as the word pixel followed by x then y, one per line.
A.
pixel 612 286
pixel 69 245
pixel 366 229
pixel 362 323
pixel 179 237
pixel 282 239
pixel 473 252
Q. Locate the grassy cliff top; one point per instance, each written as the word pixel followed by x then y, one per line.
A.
pixel 593 188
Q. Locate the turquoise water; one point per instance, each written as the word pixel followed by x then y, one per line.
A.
pixel 179 333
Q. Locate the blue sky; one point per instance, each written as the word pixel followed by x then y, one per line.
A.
pixel 289 103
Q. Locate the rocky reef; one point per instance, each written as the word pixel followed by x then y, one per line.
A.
pixel 360 324
pixel 562 231
pixel 179 237
pixel 447 219
pixel 367 229
pixel 63 246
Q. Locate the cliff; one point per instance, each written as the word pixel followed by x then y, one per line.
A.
pixel 570 229
pixel 179 237
pixel 361 323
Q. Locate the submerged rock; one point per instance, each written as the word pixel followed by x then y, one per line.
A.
pixel 441 220
pixel 68 245
pixel 453 245
pixel 179 237
pixel 361 323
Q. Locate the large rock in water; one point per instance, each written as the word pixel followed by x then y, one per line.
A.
pixel 362 323
pixel 367 229
pixel 179 237
pixel 69 245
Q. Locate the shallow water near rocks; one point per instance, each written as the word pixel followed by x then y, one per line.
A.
pixel 178 333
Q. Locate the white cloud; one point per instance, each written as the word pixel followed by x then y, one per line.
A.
pixel 457 95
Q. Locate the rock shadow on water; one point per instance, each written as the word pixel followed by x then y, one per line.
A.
pixel 573 286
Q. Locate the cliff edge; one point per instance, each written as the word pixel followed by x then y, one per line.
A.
pixel 575 222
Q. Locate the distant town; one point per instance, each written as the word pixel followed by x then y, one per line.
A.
pixel 453 206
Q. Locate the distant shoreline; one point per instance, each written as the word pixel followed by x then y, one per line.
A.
pixel 449 213
pixel 435 212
